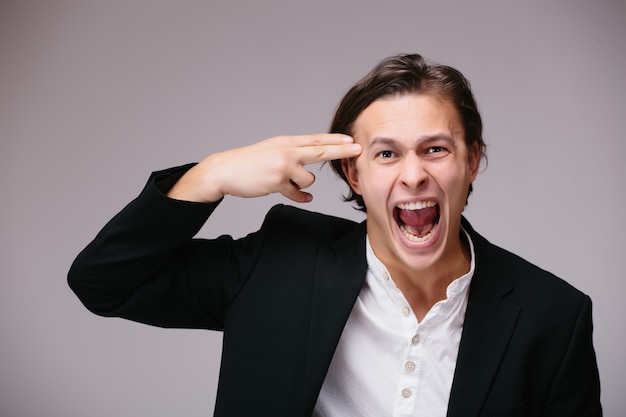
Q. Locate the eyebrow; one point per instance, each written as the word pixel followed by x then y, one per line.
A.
pixel 382 141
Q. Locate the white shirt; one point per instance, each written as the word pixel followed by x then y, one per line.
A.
pixel 388 364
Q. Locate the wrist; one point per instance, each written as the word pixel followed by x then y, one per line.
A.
pixel 198 184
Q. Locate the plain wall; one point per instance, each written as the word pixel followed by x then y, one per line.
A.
pixel 96 95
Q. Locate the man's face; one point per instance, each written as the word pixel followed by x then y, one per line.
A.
pixel 413 174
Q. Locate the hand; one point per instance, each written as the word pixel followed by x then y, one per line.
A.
pixel 275 165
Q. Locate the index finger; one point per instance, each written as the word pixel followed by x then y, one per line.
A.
pixel 322 139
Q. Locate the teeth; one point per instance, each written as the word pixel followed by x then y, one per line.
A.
pixel 415 239
pixel 416 205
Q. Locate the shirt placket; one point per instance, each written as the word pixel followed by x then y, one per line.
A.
pixel 409 364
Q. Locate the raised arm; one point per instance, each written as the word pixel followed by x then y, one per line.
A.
pixel 144 264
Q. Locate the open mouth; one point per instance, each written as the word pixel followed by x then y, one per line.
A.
pixel 417 220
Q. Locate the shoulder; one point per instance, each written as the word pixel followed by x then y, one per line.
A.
pixel 528 282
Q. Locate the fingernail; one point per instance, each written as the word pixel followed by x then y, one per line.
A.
pixel 356 148
pixel 348 139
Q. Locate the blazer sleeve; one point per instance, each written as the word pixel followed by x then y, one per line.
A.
pixel 145 266
pixel 576 388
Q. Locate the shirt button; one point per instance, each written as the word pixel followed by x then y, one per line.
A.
pixel 386 275
pixel 410 366
pixel 415 340
pixel 406 393
pixel 405 311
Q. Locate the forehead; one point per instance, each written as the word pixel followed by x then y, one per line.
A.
pixel 408 115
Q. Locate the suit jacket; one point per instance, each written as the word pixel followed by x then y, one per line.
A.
pixel 282 296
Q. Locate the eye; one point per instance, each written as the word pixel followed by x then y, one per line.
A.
pixel 436 149
pixel 436 152
pixel 386 154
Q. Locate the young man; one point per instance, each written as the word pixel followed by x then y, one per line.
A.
pixel 409 313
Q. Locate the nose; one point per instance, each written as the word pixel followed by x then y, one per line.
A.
pixel 412 173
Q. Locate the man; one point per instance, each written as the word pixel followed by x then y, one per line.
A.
pixel 409 313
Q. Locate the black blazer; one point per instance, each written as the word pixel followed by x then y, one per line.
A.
pixel 282 296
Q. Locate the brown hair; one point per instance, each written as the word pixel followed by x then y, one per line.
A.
pixel 406 74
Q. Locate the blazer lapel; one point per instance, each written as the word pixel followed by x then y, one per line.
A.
pixel 341 269
pixel 489 323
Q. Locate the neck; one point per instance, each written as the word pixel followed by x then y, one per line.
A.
pixel 424 288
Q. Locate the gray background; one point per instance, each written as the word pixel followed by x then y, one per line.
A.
pixel 96 95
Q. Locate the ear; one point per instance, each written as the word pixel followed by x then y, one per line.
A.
pixel 473 158
pixel 348 165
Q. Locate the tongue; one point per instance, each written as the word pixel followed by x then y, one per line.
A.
pixel 418 218
pixel 418 222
